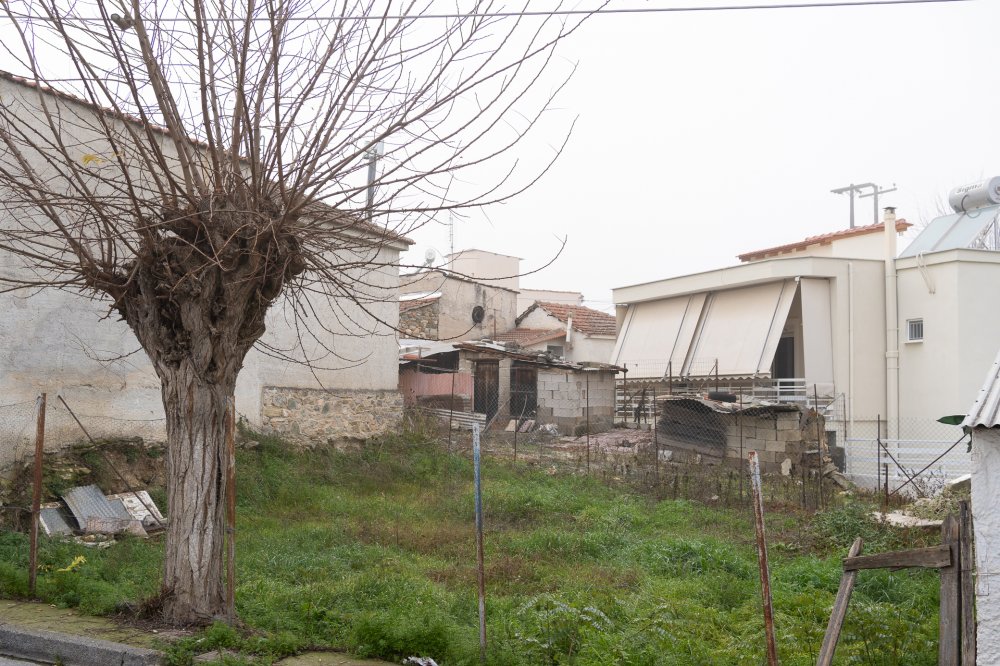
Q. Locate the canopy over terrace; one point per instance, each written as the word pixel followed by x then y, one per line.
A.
pixel 731 333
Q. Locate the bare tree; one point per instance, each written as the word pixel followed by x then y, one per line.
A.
pixel 195 162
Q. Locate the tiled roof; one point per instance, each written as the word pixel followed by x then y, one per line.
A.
pixel 405 306
pixel 822 239
pixel 586 320
pixel 530 336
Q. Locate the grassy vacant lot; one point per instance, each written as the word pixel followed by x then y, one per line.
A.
pixel 374 552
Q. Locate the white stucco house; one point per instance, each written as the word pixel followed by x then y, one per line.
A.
pixel 887 341
pixel 575 333
pixel 983 420
pixel 65 344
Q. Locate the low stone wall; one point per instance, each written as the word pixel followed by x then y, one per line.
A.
pixel 311 416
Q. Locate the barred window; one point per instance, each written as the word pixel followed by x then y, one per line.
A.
pixel 914 330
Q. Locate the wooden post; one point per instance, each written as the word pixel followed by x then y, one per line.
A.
pixel 480 567
pixel 839 611
pixel 231 511
pixel 949 645
pixel 765 574
pixel 967 587
pixel 36 495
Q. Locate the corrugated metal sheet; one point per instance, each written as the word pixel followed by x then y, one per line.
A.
pixel 53 522
pixel 88 502
pixel 139 505
pixel 985 412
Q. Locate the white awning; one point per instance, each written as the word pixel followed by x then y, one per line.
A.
pixel 657 332
pixel 739 330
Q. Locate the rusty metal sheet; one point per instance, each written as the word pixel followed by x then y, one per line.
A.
pixel 88 502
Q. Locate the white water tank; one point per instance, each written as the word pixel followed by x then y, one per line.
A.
pixel 975 195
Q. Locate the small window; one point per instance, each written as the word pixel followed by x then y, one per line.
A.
pixel 914 330
pixel 555 350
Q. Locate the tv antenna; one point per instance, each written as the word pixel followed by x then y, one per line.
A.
pixel 876 190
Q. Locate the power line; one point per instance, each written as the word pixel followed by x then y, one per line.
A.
pixel 544 13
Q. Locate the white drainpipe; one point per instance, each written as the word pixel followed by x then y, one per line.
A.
pixel 891 328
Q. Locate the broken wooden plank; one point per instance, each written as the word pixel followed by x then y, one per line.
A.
pixel 839 611
pixel 949 644
pixel 934 557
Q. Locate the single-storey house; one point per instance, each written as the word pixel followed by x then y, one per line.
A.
pixel 502 383
pixel 571 332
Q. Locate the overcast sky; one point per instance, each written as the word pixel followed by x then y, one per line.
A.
pixel 701 136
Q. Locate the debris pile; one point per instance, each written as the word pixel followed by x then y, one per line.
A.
pixel 93 517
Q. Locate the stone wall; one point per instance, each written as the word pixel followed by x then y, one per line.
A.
pixel 421 322
pixel 309 416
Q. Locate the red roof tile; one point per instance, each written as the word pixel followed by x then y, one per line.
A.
pixel 822 239
pixel 586 320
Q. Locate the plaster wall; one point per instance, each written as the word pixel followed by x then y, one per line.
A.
pixel 527 297
pixel 496 270
pixel 457 300
pixel 986 524
pixel 66 343
pixel 942 374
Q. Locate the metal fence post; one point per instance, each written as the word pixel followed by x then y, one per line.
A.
pixel 36 495
pixel 479 543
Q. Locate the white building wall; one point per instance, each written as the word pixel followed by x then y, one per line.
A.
pixel 497 270
pixel 527 297
pixel 458 298
pixel 64 343
pixel 581 348
pixel 986 524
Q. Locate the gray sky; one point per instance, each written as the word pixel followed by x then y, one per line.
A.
pixel 701 136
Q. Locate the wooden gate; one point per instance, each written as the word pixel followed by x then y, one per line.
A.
pixel 953 558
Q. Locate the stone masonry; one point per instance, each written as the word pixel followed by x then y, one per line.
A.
pixel 420 322
pixel 311 416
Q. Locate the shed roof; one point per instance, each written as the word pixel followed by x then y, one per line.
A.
pixel 530 336
pixel 985 411
pixel 822 239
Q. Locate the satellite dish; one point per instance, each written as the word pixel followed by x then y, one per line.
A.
pixel 429 256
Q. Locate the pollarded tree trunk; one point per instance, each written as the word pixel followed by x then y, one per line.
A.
pixel 196 299
pixel 196 464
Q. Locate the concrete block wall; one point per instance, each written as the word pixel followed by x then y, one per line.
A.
pixel 562 397
pixel 775 437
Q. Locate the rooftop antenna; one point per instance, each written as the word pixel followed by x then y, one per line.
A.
pixel 451 234
pixel 876 190
pixel 852 188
